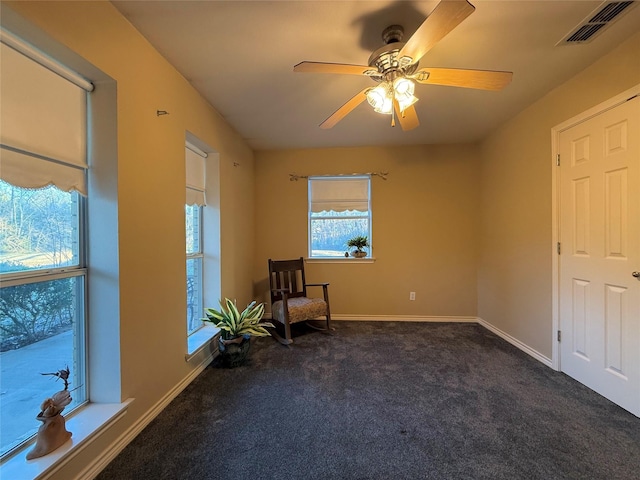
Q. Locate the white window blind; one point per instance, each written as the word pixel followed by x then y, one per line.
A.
pixel 196 171
pixel 42 126
pixel 339 194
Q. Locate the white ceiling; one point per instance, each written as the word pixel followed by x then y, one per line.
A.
pixel 240 55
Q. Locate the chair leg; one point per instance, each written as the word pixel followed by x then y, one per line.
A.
pixel 287 331
pixel 329 327
pixel 325 290
pixel 278 337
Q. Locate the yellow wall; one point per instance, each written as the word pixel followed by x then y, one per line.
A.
pixel 424 230
pixel 151 193
pixel 442 215
pixel 515 268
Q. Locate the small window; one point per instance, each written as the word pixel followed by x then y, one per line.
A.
pixel 339 209
pixel 195 166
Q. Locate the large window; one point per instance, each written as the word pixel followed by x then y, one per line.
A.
pixel 195 200
pixel 43 273
pixel 339 209
pixel 42 303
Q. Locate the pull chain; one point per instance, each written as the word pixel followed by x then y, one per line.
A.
pixel 393 109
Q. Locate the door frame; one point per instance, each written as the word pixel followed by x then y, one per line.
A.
pixel 555 207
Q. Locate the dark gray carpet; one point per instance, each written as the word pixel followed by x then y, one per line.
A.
pixel 383 400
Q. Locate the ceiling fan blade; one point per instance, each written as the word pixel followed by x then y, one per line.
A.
pixel 342 112
pixel 456 77
pixel 341 68
pixel 408 119
pixel 445 17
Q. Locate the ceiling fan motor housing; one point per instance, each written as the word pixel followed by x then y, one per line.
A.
pixel 385 59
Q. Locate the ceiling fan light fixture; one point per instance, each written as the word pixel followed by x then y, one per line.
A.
pixel 403 89
pixel 380 98
pixel 406 103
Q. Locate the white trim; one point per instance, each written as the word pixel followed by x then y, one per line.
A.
pixel 199 339
pixel 555 206
pixel 598 109
pixel 516 343
pixel 37 56
pixel 555 238
pixel 395 318
pixel 339 260
pixel 404 318
pixel 112 451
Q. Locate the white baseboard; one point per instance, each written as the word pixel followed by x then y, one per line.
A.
pixel 404 318
pixel 517 343
pixel 396 318
pixel 94 468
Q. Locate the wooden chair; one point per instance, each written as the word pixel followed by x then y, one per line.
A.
pixel 289 301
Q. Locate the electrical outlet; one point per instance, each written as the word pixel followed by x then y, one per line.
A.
pixel 412 295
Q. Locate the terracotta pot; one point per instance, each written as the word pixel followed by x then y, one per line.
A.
pixel 358 254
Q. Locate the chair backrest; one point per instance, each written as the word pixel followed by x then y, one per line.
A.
pixel 288 275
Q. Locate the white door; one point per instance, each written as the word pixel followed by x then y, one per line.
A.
pixel 600 253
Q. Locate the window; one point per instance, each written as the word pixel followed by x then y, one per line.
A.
pixel 339 209
pixel 195 200
pixel 43 271
pixel 195 307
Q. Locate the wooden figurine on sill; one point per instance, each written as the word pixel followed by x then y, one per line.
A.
pixel 53 432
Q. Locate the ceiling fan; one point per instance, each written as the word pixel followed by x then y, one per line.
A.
pixel 395 67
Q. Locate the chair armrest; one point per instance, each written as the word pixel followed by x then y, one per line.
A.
pixel 325 290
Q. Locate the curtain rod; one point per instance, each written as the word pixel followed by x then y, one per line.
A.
pixel 294 177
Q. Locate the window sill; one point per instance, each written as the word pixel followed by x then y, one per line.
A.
pixel 199 339
pixel 85 425
pixel 340 260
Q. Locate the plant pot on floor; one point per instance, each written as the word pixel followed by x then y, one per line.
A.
pixel 237 328
pixel 234 352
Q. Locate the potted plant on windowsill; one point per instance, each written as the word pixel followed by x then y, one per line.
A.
pixel 236 329
pixel 359 243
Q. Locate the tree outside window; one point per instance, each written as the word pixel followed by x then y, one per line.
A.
pixel 41 316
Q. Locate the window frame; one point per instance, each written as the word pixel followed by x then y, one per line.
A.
pixel 310 218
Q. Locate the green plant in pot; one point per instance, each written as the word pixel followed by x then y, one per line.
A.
pixel 236 329
pixel 359 243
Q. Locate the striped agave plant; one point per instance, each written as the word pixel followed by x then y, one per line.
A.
pixel 234 323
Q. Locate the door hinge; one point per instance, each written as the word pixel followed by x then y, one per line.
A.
pixel 558 248
pixel 559 336
pixel 558 160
